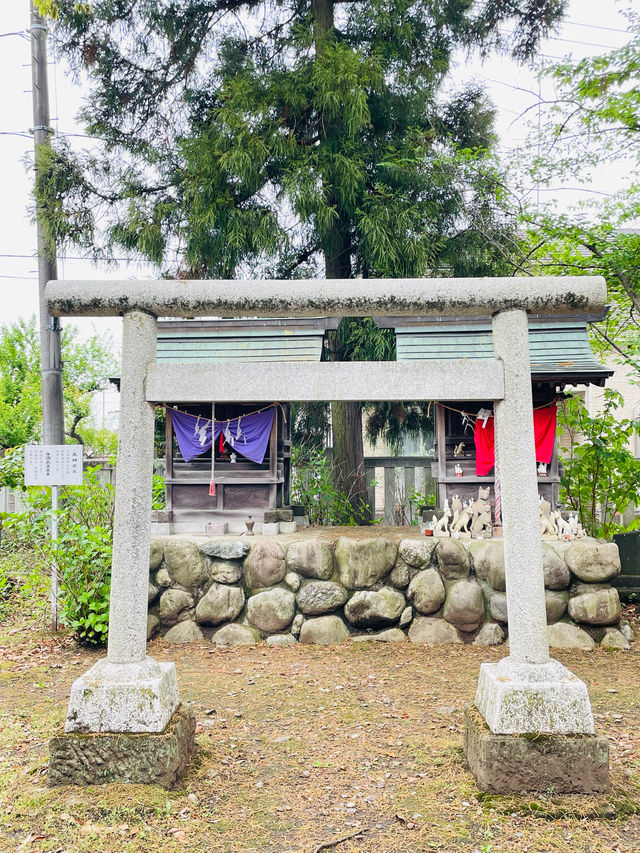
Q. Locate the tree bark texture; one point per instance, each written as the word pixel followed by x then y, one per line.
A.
pixel 346 418
pixel 348 458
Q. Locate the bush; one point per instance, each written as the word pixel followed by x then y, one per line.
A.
pixel 601 477
pixel 82 552
pixel 11 468
pixel 312 486
pixel 24 586
pixel 158 495
pixel 7 586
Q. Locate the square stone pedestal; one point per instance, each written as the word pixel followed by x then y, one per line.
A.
pixel 511 764
pixel 156 758
pixel 131 697
pixel 515 697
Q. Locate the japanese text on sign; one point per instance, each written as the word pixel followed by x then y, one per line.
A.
pixel 53 464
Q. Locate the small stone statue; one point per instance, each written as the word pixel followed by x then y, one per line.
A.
pixel 475 517
pixel 441 527
pixel 463 521
pixel 564 528
pixel 481 524
pixel 456 509
pixel 547 527
pixel 576 528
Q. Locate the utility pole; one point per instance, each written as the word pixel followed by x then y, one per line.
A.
pixel 50 349
pixel 50 344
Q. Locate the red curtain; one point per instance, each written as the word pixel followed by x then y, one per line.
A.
pixel 544 430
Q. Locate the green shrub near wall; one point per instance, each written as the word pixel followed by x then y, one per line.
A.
pixel 82 552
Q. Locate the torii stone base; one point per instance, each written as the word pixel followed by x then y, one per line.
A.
pixel 513 764
pixel 134 697
pixel 157 758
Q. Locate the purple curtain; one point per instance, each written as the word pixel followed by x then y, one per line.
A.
pixel 248 435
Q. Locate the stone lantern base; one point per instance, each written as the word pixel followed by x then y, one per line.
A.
pixel 509 764
pixel 146 758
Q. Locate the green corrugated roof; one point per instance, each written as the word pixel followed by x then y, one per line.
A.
pixel 558 349
pixel 240 345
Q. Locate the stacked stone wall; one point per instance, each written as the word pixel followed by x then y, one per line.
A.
pixel 315 590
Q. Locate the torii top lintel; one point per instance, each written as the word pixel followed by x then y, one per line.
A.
pixel 328 297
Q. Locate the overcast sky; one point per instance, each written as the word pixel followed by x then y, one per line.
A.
pixel 591 27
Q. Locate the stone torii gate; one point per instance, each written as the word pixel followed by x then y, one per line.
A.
pixel 526 692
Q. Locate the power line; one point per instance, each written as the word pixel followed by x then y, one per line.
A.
pixel 595 27
pixel 584 43
pixel 507 85
pixel 25 277
pixel 574 190
pixel 569 41
pixel 65 257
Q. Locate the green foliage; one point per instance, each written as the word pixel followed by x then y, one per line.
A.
pixel 312 486
pixel 265 143
pixel 158 495
pixel 87 367
pixel 19 384
pixel 597 241
pixel 392 422
pixel 23 584
pixel 87 614
pixel 159 433
pixel 600 97
pixel 595 120
pixel 61 197
pixel 98 442
pixel 11 469
pixel 82 552
pixel 7 587
pixel 421 497
pixel 46 8
pixel 601 476
pixel 310 425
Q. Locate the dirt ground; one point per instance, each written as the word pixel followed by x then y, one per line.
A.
pixel 306 749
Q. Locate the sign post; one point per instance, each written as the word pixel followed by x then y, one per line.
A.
pixel 53 465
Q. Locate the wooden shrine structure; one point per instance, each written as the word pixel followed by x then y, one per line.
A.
pixel 243 487
pixel 560 356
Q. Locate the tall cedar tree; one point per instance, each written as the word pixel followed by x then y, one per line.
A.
pixel 288 138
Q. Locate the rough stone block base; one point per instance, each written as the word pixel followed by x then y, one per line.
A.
pixel 156 758
pixel 216 528
pixel 507 764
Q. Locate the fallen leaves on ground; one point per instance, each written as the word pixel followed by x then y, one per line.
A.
pixel 303 749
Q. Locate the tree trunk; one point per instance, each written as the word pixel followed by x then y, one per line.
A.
pixel 72 432
pixel 346 417
pixel 348 458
